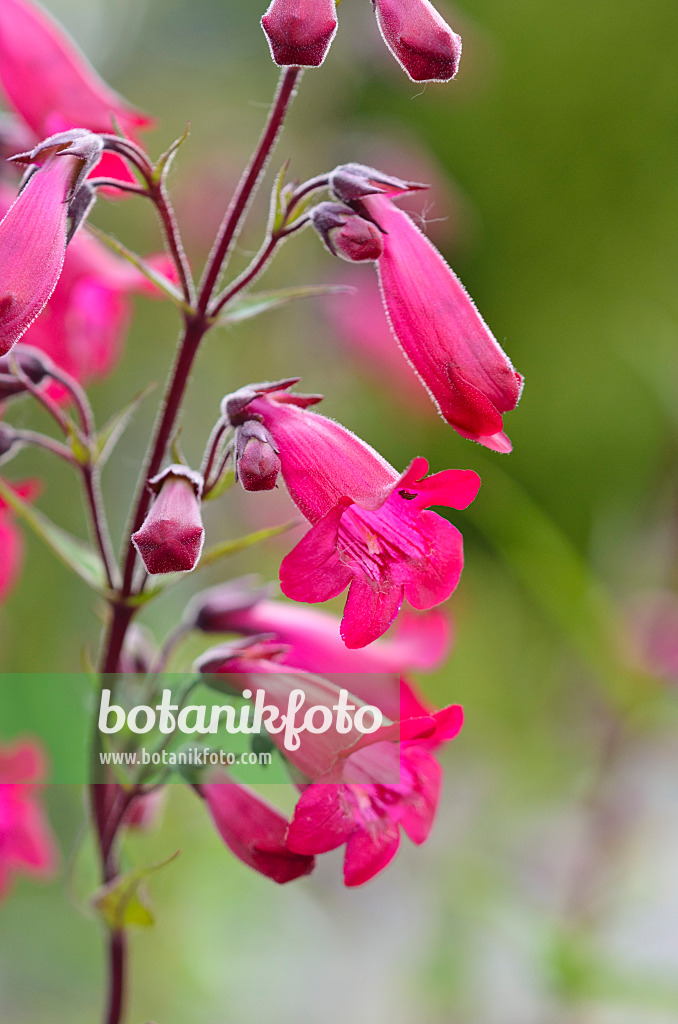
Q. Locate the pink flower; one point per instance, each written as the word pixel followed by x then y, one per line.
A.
pixel 299 32
pixel 420 40
pixel 51 84
pixel 370 528
pixel 33 245
pixel 11 539
pixel 366 813
pixel 255 831
pixel 450 347
pixel 172 535
pixel 26 844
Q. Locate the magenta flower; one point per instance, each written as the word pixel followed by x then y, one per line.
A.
pixel 172 535
pixel 255 831
pixel 33 232
pixel 367 814
pixel 371 530
pixel 346 235
pixel 448 344
pixel 11 539
pixel 256 459
pixel 420 40
pixel 26 844
pixel 299 32
pixel 49 82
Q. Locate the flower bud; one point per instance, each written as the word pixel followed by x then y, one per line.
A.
pixel 172 535
pixel 300 32
pixel 210 611
pixel 420 40
pixel 32 363
pixel 234 407
pixel 352 182
pixel 8 441
pixel 346 234
pixel 246 655
pixel 257 461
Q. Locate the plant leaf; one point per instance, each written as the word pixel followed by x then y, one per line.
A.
pixel 160 282
pixel 73 552
pixel 232 547
pixel 109 435
pixel 256 303
pixel 164 163
pixel 123 901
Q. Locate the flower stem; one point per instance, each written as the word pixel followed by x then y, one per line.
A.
pixel 247 185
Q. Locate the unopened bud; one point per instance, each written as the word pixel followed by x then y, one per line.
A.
pixel 8 441
pixel 240 655
pixel 300 32
pixel 211 611
pixel 257 462
pixel 346 234
pixel 172 535
pixel 352 182
pixel 420 40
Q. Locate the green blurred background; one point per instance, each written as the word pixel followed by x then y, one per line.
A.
pixel 548 892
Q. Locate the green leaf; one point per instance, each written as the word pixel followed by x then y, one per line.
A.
pixel 123 901
pixel 256 303
pixel 109 435
pixel 164 163
pixel 73 552
pixel 278 207
pixel 160 282
pixel 232 547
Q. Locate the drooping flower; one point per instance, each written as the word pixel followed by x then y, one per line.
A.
pixel 299 32
pixel 365 813
pixel 420 40
pixel 172 535
pixel 26 844
pixel 371 530
pixel 255 831
pixel 11 538
pixel 52 85
pixel 33 232
pixel 441 332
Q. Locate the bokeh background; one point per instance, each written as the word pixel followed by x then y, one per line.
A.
pixel 548 892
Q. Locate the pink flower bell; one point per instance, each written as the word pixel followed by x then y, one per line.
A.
pixel 441 332
pixel 49 82
pixel 420 40
pixel 367 814
pixel 255 831
pixel 33 232
pixel 172 535
pixel 371 530
pixel 299 32
pixel 26 844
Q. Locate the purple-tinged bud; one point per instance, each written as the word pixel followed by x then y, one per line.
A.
pixel 257 461
pixel 346 234
pixel 211 611
pixel 300 32
pixel 352 182
pixel 172 535
pixel 234 407
pixel 139 651
pixel 30 361
pixel 8 441
pixel 420 40
pixel 241 655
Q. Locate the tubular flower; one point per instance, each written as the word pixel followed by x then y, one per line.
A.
pixel 33 232
pixel 371 530
pixel 254 831
pixel 26 844
pixel 420 40
pixel 11 539
pixel 299 32
pixel 437 325
pixel 51 84
pixel 365 813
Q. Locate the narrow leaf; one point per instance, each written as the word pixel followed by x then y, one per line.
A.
pixel 165 160
pixel 256 303
pixel 232 547
pixel 123 901
pixel 73 552
pixel 109 435
pixel 160 282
